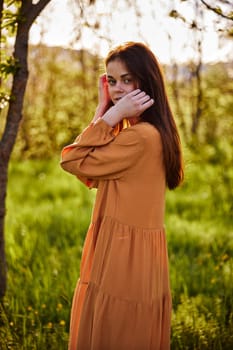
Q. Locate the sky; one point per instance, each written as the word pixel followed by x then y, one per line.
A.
pixel 170 39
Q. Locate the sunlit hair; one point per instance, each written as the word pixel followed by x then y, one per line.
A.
pixel 144 67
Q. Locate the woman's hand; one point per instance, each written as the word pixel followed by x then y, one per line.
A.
pixel 130 106
pixel 104 98
pixel 134 104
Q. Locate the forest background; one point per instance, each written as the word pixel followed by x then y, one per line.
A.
pixel 48 211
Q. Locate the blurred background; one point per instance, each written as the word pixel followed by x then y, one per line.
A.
pixel 48 211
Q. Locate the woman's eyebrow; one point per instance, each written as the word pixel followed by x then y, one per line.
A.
pixel 125 75
pixel 122 75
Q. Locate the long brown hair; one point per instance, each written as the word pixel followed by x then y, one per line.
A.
pixel 143 65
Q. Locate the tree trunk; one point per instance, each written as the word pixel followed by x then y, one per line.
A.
pixel 1 9
pixel 28 13
pixel 3 181
pixel 176 96
pixel 199 92
pixel 197 72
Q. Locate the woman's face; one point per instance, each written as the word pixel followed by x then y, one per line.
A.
pixel 120 80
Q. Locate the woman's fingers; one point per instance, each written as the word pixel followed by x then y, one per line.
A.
pixel 102 79
pixel 133 104
pixel 104 97
pixel 141 99
pixel 144 99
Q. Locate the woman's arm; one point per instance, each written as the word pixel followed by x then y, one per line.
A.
pixel 98 154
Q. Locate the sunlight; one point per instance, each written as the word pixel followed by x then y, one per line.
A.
pixel 169 38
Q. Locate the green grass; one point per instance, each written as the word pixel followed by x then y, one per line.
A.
pixel 48 215
pixel 48 212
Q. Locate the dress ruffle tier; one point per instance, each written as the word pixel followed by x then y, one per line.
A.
pixel 124 281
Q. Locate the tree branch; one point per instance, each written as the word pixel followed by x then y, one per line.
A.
pixel 218 11
pixel 30 11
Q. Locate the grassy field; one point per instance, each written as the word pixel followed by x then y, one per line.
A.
pixel 48 212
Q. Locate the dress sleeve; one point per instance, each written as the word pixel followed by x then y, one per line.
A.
pixel 98 154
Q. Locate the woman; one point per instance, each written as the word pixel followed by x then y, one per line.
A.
pixel 131 152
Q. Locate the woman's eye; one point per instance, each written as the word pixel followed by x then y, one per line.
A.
pixel 111 81
pixel 127 81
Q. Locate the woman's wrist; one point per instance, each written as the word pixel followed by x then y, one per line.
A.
pixel 99 112
pixel 112 116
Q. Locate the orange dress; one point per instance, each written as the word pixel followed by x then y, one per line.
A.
pixel 122 300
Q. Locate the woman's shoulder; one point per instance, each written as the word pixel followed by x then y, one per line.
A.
pixel 146 130
pixel 144 134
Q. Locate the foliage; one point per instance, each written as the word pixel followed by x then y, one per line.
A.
pixel 216 105
pixel 10 17
pixel 222 9
pixel 62 92
pixel 60 99
pixel 48 215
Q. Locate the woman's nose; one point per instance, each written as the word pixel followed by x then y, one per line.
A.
pixel 119 86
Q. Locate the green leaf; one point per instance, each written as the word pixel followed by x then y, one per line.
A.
pixel 230 15
pixel 218 10
pixel 175 14
pixel 10 66
pixel 230 32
